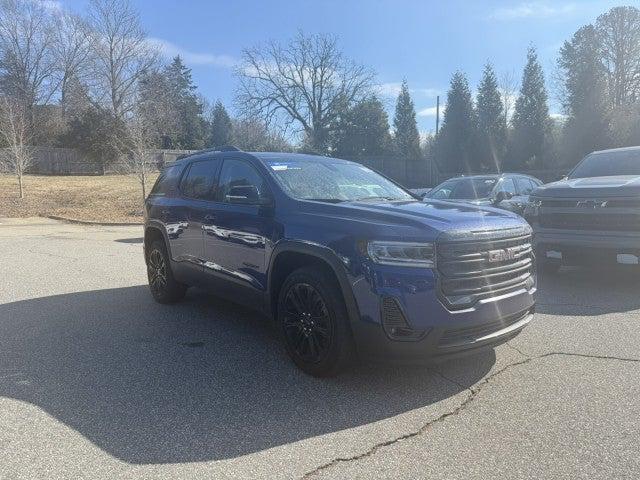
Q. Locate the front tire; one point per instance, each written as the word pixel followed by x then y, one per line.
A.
pixel 163 285
pixel 314 323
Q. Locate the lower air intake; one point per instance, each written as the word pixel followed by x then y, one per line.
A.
pixel 394 323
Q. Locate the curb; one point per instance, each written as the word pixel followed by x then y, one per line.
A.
pixel 89 222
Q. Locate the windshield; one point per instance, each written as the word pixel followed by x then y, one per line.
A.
pixel 608 164
pixel 464 189
pixel 333 181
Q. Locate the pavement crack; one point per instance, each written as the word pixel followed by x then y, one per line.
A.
pixel 473 394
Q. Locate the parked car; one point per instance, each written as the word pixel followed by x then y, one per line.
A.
pixel 345 260
pixel 593 215
pixel 420 192
pixel 509 191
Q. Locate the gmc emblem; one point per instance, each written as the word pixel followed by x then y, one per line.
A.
pixel 502 255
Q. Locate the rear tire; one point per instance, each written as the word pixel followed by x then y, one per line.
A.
pixel 164 287
pixel 314 323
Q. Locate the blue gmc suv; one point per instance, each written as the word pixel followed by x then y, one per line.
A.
pixel 346 261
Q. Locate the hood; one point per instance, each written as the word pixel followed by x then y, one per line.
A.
pixel 437 216
pixel 621 186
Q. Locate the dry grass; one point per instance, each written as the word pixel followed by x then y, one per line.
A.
pixel 109 198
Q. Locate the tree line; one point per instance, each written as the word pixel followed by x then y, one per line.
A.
pixel 96 82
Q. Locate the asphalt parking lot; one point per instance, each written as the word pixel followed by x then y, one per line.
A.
pixel 98 381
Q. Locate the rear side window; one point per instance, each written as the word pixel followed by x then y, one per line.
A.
pixel 167 180
pixel 199 181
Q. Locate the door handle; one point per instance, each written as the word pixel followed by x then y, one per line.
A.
pixel 209 218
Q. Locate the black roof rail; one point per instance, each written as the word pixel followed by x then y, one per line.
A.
pixel 224 148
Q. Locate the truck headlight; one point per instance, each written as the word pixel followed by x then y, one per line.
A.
pixel 402 253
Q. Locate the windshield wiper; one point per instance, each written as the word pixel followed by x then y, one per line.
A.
pixel 377 197
pixel 327 200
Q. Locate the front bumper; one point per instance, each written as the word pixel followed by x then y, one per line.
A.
pixel 584 247
pixel 489 322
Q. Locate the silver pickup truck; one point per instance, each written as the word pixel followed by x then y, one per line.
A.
pixel 592 215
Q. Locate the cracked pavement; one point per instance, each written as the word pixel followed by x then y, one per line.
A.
pixel 98 381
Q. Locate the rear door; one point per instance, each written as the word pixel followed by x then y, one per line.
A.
pixel 196 192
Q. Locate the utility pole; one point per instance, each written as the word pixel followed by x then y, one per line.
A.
pixel 437 114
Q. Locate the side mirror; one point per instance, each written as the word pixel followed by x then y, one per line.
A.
pixel 245 195
pixel 501 196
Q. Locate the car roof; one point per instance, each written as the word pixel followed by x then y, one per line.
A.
pixel 298 157
pixel 623 149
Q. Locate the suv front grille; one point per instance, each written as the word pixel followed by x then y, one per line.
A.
pixel 473 270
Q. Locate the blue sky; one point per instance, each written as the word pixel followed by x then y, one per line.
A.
pixel 422 41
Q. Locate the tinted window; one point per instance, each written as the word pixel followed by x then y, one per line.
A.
pixel 464 189
pixel 236 173
pixel 608 164
pixel 167 180
pixel 525 186
pixel 507 185
pixel 199 180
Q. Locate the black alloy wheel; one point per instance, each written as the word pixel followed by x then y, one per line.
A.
pixel 306 323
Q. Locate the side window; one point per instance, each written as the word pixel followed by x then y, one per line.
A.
pixel 241 183
pixel 167 180
pixel 507 185
pixel 525 186
pixel 198 182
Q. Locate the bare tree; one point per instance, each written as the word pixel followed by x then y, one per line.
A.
pixel 27 65
pixel 307 83
pixel 122 53
pixel 16 134
pixel 619 31
pixel 508 92
pixel 135 147
pixel 72 52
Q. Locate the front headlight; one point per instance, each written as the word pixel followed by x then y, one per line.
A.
pixel 402 253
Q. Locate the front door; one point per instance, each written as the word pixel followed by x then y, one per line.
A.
pixel 238 231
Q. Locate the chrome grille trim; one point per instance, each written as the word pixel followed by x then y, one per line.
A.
pixel 465 269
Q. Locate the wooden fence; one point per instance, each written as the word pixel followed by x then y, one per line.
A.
pixel 69 161
pixel 412 173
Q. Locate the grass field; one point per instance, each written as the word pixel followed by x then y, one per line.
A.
pixel 108 198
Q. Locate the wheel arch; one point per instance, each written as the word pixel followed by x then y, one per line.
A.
pixel 291 255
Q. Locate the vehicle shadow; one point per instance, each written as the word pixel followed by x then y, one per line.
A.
pixel 587 291
pixel 200 380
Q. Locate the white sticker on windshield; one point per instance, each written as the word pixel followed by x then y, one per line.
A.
pixel 278 168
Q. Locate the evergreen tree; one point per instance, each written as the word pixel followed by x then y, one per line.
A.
pixel 405 128
pixel 530 118
pixel 221 126
pixel 584 95
pixel 188 107
pixel 363 130
pixel 455 145
pixel 492 129
pixel 172 108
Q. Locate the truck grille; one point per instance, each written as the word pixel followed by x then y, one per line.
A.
pixel 592 221
pixel 609 215
pixel 473 270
